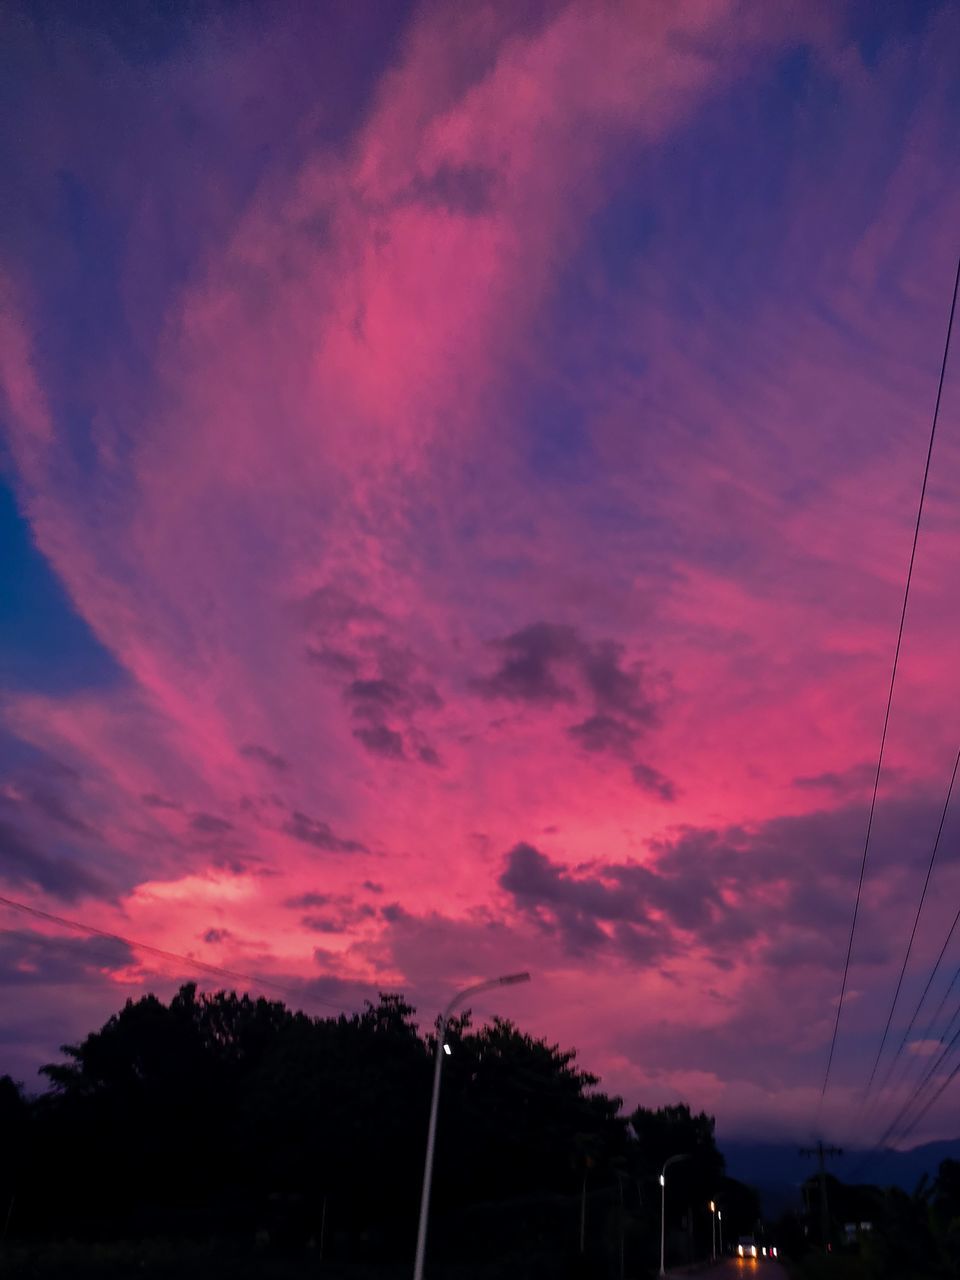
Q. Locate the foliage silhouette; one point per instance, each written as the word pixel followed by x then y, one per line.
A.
pixel 231 1115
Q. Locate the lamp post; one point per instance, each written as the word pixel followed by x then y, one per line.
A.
pixel 713 1231
pixel 509 980
pixel 663 1204
pixel 720 1229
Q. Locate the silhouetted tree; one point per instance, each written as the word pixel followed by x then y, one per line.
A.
pixel 693 1183
pixel 225 1112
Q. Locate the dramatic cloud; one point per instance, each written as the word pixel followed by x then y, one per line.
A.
pixel 319 834
pixel 270 758
pixel 652 780
pixel 23 864
pixel 34 959
pixel 208 824
pixel 547 664
pixel 536 660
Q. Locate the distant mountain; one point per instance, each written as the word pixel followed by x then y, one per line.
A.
pixel 777 1170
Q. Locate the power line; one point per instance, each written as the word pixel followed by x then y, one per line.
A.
pixel 946 996
pixel 926 1080
pixel 928 1031
pixel 913 934
pixel 893 680
pixel 216 970
pixel 924 1083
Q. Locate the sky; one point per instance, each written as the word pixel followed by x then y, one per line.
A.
pixel 458 467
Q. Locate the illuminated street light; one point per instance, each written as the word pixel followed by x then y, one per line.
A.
pixel 663 1201
pixel 713 1231
pixel 443 1050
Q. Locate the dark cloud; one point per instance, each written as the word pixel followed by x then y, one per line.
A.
pixel 527 670
pixel 374 693
pixel 652 780
pixel 209 824
pixel 371 697
pixel 332 608
pixel 605 733
pixel 153 801
pixel 548 664
pixel 379 680
pixel 35 959
pixel 372 887
pixel 53 807
pixel 577 905
pixel 253 751
pixel 842 783
pixel 322 924
pixel 779 887
pixel 538 662
pixel 46 802
pixel 435 952
pixel 332 660
pixel 340 920
pixel 779 891
pixel 22 863
pixel 216 935
pixel 381 740
pixel 778 1057
pixel 320 835
pixel 47 766
pixel 305 900
pixel 340 911
pixel 456 188
pixel 615 687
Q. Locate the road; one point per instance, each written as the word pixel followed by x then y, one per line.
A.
pixel 746 1269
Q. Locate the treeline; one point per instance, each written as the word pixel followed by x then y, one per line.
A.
pixel 221 1116
pixel 880 1233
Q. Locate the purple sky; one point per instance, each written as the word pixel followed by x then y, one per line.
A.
pixel 457 474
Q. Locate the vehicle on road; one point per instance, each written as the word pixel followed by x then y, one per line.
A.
pixel 747 1247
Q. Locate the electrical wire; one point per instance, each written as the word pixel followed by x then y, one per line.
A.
pixel 893 680
pixel 913 934
pixel 928 1031
pixel 927 1079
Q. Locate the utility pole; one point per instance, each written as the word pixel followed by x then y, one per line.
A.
pixel 822 1152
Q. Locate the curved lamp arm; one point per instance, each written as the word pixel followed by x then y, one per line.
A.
pixel 508 980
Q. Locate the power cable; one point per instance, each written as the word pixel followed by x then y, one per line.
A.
pixel 928 1031
pixel 925 1082
pixel 216 970
pixel 928 1076
pixel 946 996
pixel 893 680
pixel 913 934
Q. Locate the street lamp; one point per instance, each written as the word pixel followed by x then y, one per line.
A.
pixel 720 1229
pixel 713 1231
pixel 509 980
pixel 663 1199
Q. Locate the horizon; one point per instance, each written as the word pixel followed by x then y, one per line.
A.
pixel 627 1106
